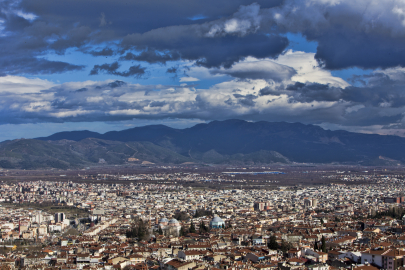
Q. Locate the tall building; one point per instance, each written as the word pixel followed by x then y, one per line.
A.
pixel 307 203
pixel 38 217
pixel 59 217
pixel 314 202
pixel 261 206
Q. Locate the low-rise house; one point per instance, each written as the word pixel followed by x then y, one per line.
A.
pixel 179 265
pixel 189 255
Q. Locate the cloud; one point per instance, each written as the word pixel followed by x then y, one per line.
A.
pixel 129 17
pixel 245 100
pixel 103 22
pixel 103 52
pixel 172 70
pixel 218 43
pixel 20 64
pixel 117 84
pixel 134 71
pixel 308 69
pixel 190 43
pixel 258 69
pixel 30 32
pixel 349 33
pixel 238 43
pixel 22 85
pixel 379 102
pixel 245 21
pixel 152 56
pixel 188 79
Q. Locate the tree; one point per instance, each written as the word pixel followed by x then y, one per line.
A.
pixel 132 233
pixel 285 246
pixel 160 231
pixel 138 230
pixel 192 228
pixel 337 219
pixel 141 234
pixel 182 231
pixel 181 216
pixel 141 230
pixel 322 222
pixel 272 243
pixel 202 213
pixel 323 245
pixel 203 227
pixel 316 245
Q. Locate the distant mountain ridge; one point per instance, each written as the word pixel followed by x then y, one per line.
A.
pixel 296 141
pixel 229 141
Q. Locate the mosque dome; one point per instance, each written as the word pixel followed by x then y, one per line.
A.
pixel 174 222
pixel 217 222
pixel 163 221
pixel 217 219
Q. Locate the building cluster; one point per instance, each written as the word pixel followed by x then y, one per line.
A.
pixel 140 226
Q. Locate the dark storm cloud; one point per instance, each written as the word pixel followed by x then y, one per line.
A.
pixel 108 68
pixel 246 100
pixel 209 52
pixel 136 71
pixel 348 33
pixel 157 103
pixel 74 38
pixel 46 26
pixel 103 52
pixel 172 70
pixel 31 65
pixel 269 91
pixel 24 43
pixel 152 56
pixel 117 84
pixel 129 17
pixel 218 43
pixel 381 101
pixel 15 23
pixel 316 92
pixel 341 49
pixel 385 93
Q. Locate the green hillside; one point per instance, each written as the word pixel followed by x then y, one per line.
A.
pixel 64 154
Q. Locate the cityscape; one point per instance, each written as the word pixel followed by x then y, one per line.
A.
pixel 158 221
pixel 202 135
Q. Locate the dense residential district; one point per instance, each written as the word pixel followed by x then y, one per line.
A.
pixel 97 225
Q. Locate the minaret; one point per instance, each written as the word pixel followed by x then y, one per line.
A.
pixel 150 226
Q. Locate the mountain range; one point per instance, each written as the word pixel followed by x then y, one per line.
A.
pixel 218 142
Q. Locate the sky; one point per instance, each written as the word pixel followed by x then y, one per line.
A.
pixel 112 65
